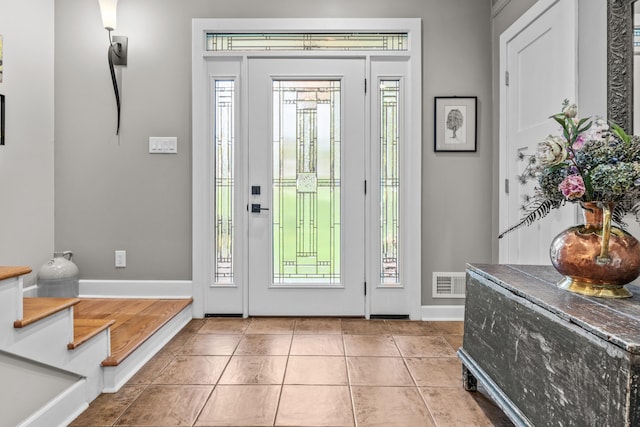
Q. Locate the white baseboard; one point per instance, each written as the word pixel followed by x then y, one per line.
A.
pixel 443 312
pixel 161 289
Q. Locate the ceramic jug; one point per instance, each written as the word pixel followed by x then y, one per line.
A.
pixel 58 277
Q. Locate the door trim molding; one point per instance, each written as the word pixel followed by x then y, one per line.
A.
pixel 202 232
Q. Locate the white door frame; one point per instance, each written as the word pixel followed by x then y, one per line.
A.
pixel 533 13
pixel 405 296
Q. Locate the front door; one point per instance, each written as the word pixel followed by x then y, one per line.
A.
pixel 306 226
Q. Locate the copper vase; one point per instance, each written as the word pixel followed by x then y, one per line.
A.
pixel 596 258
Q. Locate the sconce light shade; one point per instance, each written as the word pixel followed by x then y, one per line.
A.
pixel 108 10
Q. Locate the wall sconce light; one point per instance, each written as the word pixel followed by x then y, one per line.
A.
pixel 117 46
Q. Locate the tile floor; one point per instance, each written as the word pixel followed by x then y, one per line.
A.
pixel 301 372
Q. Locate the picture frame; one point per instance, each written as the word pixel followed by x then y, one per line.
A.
pixel 2 119
pixel 455 125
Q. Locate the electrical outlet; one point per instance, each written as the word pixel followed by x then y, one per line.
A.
pixel 121 259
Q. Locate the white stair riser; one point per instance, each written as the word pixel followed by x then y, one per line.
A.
pixel 116 376
pixel 10 308
pixel 45 340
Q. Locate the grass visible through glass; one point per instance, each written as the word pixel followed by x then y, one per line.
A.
pixel 306 182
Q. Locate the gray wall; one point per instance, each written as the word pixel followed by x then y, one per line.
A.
pixel 111 194
pixel 26 161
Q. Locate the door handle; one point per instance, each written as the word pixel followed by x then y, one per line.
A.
pixel 256 208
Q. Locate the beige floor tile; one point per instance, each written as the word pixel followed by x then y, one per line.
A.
pixel 166 405
pixel 224 325
pixel 264 345
pixel 364 327
pixel 385 359
pixel 271 325
pixel 254 370
pixel 174 346
pixel 455 407
pixel 411 327
pixel 390 407
pixel 194 325
pixel 455 341
pixel 107 408
pixel 318 326
pixel 316 370
pixel 193 370
pixel 426 346
pixel 370 345
pixel 150 371
pixel 378 371
pixel 450 328
pixel 302 405
pixel 211 345
pixel 317 345
pixel 241 405
pixel 436 371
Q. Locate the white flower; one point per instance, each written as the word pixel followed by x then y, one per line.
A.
pixel 571 111
pixel 551 151
pixel 599 127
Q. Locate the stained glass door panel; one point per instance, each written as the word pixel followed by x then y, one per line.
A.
pixel 306 251
pixel 306 181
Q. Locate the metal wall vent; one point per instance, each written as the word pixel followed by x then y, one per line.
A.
pixel 449 285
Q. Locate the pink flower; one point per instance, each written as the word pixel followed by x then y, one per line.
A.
pixel 572 187
pixel 579 142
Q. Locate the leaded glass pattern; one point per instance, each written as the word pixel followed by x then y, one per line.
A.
pixel 224 95
pixel 306 182
pixel 389 180
pixel 307 41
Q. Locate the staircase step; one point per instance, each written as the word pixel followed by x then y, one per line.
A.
pixel 135 320
pixel 35 309
pixel 9 272
pixel 85 329
pixel 129 335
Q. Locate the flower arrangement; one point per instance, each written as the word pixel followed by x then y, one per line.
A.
pixel 592 161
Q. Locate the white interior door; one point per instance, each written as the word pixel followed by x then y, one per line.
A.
pixel 306 145
pixel 539 64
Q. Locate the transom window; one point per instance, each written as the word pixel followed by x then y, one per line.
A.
pixel 307 41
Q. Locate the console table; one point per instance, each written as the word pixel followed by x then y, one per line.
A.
pixel 549 357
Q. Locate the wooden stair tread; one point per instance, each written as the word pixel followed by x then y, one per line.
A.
pixel 34 309
pixel 9 272
pixel 85 329
pixel 127 336
pixel 135 320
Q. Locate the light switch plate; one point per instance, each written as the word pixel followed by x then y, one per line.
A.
pixel 163 144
